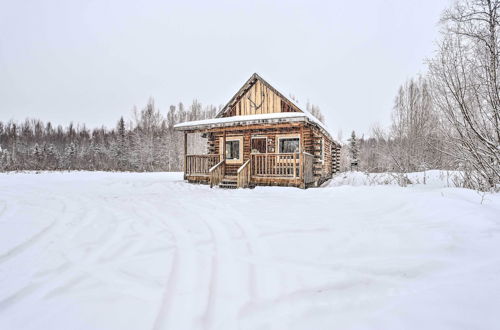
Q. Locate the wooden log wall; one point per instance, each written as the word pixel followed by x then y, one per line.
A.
pixel 335 159
pixel 322 169
pixel 312 137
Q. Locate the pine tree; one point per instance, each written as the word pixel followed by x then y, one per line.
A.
pixel 5 159
pixel 38 157
pixel 51 157
pixel 353 151
pixel 121 152
pixel 69 156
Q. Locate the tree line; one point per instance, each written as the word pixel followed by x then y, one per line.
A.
pixel 148 142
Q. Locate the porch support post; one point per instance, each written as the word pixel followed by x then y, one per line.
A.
pixel 185 154
pixel 301 158
pixel 224 145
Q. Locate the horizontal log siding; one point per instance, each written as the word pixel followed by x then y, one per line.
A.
pixel 311 135
pixel 322 170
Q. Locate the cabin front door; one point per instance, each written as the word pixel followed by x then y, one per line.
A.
pixel 258 145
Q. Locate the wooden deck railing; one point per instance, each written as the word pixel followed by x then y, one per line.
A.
pixel 217 173
pixel 200 164
pixel 243 175
pixel 275 165
pixel 308 168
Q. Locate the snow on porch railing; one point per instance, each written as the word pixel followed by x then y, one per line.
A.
pixel 200 164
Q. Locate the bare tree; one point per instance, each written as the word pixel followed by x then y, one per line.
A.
pixel 413 131
pixel 466 89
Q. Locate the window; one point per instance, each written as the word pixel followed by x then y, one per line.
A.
pixel 289 145
pixel 259 145
pixel 233 149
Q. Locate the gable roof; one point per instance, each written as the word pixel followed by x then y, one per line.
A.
pixel 250 82
pixel 219 120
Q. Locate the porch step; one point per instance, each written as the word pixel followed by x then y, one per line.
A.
pixel 228 183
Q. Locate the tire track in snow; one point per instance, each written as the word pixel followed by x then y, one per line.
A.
pixel 74 270
pixel 207 318
pixel 21 293
pixel 27 243
pixel 35 238
pixel 177 295
pixel 225 266
pixel 3 208
pixel 91 266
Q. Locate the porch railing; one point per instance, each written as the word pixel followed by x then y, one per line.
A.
pixel 217 172
pixel 275 165
pixel 200 164
pixel 243 175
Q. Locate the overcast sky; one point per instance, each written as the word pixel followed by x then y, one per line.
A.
pixel 92 61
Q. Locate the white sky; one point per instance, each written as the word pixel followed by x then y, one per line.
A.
pixel 92 61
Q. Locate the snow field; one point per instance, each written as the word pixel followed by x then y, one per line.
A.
pixel 87 250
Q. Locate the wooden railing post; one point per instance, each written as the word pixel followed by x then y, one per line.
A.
pixel 224 154
pixel 224 146
pixel 301 157
pixel 185 154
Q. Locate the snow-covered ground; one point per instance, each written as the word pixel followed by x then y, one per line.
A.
pixel 147 251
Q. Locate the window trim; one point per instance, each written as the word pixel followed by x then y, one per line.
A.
pixel 287 136
pixel 232 138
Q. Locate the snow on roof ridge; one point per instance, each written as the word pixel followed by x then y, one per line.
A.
pixel 274 115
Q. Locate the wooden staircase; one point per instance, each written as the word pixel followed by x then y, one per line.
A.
pixel 229 182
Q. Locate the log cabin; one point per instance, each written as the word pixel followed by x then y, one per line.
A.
pixel 260 137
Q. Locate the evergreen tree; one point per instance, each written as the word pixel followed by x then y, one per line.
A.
pixel 121 152
pixel 51 157
pixel 38 157
pixel 69 156
pixel 353 151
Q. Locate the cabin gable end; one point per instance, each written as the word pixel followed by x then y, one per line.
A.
pixel 257 97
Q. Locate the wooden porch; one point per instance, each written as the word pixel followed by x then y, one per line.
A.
pixel 286 169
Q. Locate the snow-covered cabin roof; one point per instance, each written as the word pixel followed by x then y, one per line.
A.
pixel 220 121
pixel 277 117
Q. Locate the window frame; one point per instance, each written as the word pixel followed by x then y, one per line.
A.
pixel 238 160
pixel 287 136
pixel 232 143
